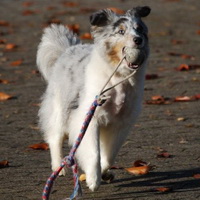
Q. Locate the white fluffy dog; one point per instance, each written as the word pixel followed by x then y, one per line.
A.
pixel 75 74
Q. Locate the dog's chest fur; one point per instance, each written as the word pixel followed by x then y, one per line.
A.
pixel 118 106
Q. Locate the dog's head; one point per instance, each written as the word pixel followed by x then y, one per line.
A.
pixel 114 34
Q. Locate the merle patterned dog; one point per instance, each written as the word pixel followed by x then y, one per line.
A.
pixel 76 72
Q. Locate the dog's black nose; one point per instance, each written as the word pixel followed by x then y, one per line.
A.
pixel 137 40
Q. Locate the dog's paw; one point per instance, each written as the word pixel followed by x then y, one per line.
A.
pixel 108 176
pixel 93 182
pixel 62 172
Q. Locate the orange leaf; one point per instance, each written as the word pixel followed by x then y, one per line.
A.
pixel 197 176
pixel 4 96
pixel 87 36
pixel 164 189
pixel 27 3
pixel 139 170
pixel 16 63
pixel 175 42
pixel 70 4
pixel 4 23
pixel 88 10
pixel 198 32
pixel 3 41
pixel 28 12
pixel 197 96
pixel 4 163
pixel 40 146
pixel 164 154
pixel 183 99
pixel 117 10
pixel 183 67
pixel 4 81
pixel 158 99
pixel 186 56
pixel 10 46
pixel 74 27
pixel 186 67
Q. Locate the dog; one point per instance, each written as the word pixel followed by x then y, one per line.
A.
pixel 75 73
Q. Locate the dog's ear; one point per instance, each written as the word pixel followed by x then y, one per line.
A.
pixel 140 11
pixel 102 17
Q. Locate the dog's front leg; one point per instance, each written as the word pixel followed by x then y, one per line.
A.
pixel 88 155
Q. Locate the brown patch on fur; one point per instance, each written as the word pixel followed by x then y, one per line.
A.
pixel 114 52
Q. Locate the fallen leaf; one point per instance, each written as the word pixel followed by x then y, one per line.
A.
pixel 3 41
pixel 4 163
pixel 197 96
pixel 151 76
pixel 179 119
pixel 158 99
pixel 27 3
pixel 54 21
pixel 139 170
pixel 88 10
pixel 163 154
pixel 163 189
pixel 174 54
pixel 139 163
pixel 175 42
pixel 183 99
pixel 16 63
pixel 35 72
pixel 4 23
pixel 40 146
pixel 10 46
pixel 186 56
pixel 183 67
pixel 117 10
pixel 34 127
pixel 186 67
pixel 87 36
pixel 116 167
pixel 198 32
pixel 74 27
pixel 4 96
pixel 70 4
pixel 183 141
pixel 2 81
pixel 51 8
pixel 82 177
pixel 197 176
pixel 29 12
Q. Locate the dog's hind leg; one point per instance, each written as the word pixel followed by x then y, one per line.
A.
pixel 52 125
pixel 55 145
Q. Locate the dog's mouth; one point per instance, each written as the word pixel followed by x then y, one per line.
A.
pixel 134 57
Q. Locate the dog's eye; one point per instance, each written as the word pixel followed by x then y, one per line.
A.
pixel 121 32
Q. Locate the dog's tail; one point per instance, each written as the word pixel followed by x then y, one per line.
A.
pixel 54 42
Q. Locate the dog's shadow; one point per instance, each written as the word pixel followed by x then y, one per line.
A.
pixel 177 181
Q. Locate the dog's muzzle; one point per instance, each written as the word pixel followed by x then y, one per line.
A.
pixel 134 57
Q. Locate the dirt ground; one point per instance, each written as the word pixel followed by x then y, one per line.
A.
pixel 174 30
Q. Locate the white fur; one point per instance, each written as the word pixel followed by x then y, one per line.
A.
pixel 75 74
